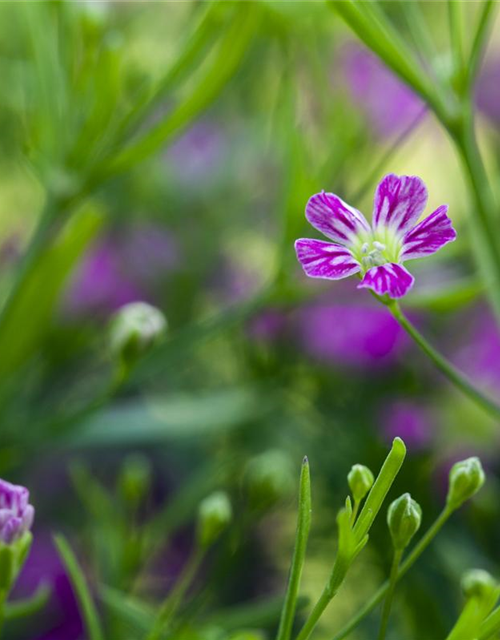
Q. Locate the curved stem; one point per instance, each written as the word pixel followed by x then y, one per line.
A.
pixel 176 596
pixel 406 565
pixel 393 578
pixel 446 368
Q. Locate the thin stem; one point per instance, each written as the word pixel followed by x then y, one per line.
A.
pixel 303 527
pixel 176 596
pixel 480 39
pixel 406 565
pixel 450 372
pixel 393 578
pixel 337 577
pixel 456 40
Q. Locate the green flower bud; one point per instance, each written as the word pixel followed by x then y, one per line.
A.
pixel 466 478
pixel 404 517
pixel 478 583
pixel 360 480
pixel 135 479
pixel 134 330
pixel 269 477
pixel 214 515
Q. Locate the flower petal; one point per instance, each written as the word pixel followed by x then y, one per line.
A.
pixel 429 235
pixel 399 202
pixel 391 279
pixel 325 260
pixel 335 219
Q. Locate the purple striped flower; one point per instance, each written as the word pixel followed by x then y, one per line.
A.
pixel 16 514
pixel 374 252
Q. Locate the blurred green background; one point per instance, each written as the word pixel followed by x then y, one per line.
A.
pixel 164 152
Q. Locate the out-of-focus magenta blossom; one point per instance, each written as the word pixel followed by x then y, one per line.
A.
pixel 375 252
pixel 198 153
pixel 61 619
pixel 119 270
pixel 354 335
pixel 409 421
pixel 480 357
pixel 388 103
pixel 488 90
pixel 16 514
pixel 267 326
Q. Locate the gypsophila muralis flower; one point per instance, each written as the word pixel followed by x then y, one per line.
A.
pixel 16 514
pixel 375 252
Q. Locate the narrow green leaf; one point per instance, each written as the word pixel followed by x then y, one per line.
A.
pixel 380 488
pixel 29 313
pixel 28 606
pixel 232 48
pixel 82 592
pixel 131 611
pixel 299 553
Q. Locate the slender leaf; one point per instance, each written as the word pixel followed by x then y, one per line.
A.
pixel 82 592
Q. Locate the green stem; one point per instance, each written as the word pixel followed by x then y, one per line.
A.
pixel 176 596
pixel 303 527
pixel 456 40
pixel 406 565
pixel 337 577
pixel 393 577
pixel 480 39
pixel 446 368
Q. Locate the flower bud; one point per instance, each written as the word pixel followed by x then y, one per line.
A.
pixel 16 519
pixel 360 480
pixel 465 480
pixel 478 583
pixel 135 328
pixel 404 517
pixel 269 477
pixel 135 479
pixel 214 515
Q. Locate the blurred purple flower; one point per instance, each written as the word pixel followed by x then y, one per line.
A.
pixel 480 357
pixel 388 103
pixel 354 335
pixel 408 420
pixel 119 270
pixel 488 90
pixel 16 514
pixel 267 326
pixel 198 153
pixel 61 620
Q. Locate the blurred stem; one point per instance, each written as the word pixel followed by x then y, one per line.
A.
pixel 393 577
pixel 486 19
pixel 176 596
pixel 29 606
pixel 446 368
pixel 36 245
pixel 456 40
pixel 491 626
pixel 406 565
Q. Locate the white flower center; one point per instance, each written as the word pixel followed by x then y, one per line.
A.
pixel 377 250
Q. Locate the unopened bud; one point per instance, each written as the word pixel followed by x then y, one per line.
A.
pixel 404 517
pixel 135 329
pixel 16 519
pixel 360 480
pixel 466 478
pixel 478 583
pixel 269 478
pixel 214 515
pixel 135 479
